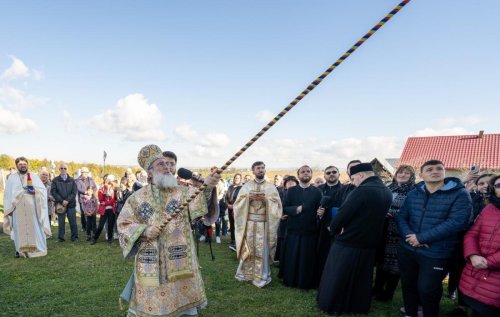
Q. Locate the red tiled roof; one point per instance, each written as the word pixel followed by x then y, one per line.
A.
pixel 456 152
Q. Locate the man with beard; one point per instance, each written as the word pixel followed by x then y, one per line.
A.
pixel 331 193
pixel 257 213
pixel 166 279
pixel 345 286
pixel 298 266
pixel 25 212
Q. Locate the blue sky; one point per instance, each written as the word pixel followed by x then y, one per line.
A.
pixel 202 77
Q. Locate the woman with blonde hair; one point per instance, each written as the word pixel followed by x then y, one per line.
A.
pixel 387 273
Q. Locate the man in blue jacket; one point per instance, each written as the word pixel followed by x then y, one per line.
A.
pixel 429 222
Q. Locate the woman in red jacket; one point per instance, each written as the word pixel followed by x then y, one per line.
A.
pixel 107 206
pixel 480 281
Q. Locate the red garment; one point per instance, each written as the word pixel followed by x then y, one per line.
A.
pixel 106 196
pixel 483 239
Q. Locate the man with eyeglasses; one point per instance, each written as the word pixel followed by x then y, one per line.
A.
pixel 64 191
pixel 25 211
pixel 332 198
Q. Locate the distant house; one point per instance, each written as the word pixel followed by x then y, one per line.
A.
pixel 458 153
pixel 384 168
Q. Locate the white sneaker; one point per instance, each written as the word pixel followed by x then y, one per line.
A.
pixel 217 239
pixel 202 238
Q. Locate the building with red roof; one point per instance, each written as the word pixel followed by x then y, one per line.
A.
pixel 457 152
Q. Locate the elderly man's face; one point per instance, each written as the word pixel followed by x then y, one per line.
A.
pixel 63 169
pixel 22 167
pixel 44 176
pixel 357 178
pixel 165 165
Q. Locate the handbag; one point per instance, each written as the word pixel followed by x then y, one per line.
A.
pixel 60 209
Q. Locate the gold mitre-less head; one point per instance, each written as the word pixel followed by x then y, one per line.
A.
pixel 149 154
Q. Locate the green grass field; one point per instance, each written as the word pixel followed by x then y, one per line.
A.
pixel 77 279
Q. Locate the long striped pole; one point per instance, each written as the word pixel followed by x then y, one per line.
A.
pixel 292 104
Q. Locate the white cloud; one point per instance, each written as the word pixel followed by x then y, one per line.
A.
pixel 292 153
pixel 13 123
pixel 265 116
pixel 17 99
pixel 18 69
pixel 208 140
pixel 186 132
pixel 134 118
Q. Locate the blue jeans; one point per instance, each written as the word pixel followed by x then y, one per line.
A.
pixel 71 214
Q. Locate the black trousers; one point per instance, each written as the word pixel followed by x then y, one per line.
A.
pixel 480 309
pixel 231 224
pixel 421 281
pixel 91 225
pixel 108 216
pixel 385 284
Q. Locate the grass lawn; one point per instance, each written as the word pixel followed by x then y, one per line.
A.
pixel 77 279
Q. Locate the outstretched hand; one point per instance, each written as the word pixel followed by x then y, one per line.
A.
pixel 213 178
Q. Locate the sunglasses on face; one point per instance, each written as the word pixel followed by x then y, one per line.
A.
pixel 331 172
pixel 497 185
pixel 63 168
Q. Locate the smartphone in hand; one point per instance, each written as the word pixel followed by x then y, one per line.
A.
pixel 474 169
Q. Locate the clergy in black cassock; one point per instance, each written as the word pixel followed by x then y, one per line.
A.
pixel 345 286
pixel 331 192
pixel 298 266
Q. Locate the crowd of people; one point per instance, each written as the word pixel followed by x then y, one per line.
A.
pixel 322 234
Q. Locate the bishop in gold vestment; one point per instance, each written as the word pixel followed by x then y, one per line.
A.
pixel 166 280
pixel 257 212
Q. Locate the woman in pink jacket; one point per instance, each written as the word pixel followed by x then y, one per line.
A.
pixel 480 281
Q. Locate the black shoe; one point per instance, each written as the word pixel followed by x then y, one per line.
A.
pixel 17 255
pixel 60 240
pixel 383 297
pixel 88 238
pixel 94 241
pixel 457 312
pixel 74 240
pixel 232 247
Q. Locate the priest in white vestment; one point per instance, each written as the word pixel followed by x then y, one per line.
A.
pixel 25 211
pixel 257 212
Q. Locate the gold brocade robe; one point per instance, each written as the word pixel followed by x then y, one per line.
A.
pixel 256 223
pixel 167 276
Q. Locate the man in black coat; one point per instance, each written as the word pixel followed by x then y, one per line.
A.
pixel 346 282
pixel 332 192
pixel 64 191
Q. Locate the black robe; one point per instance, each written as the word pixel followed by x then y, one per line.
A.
pixel 298 265
pixel 346 282
pixel 325 238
